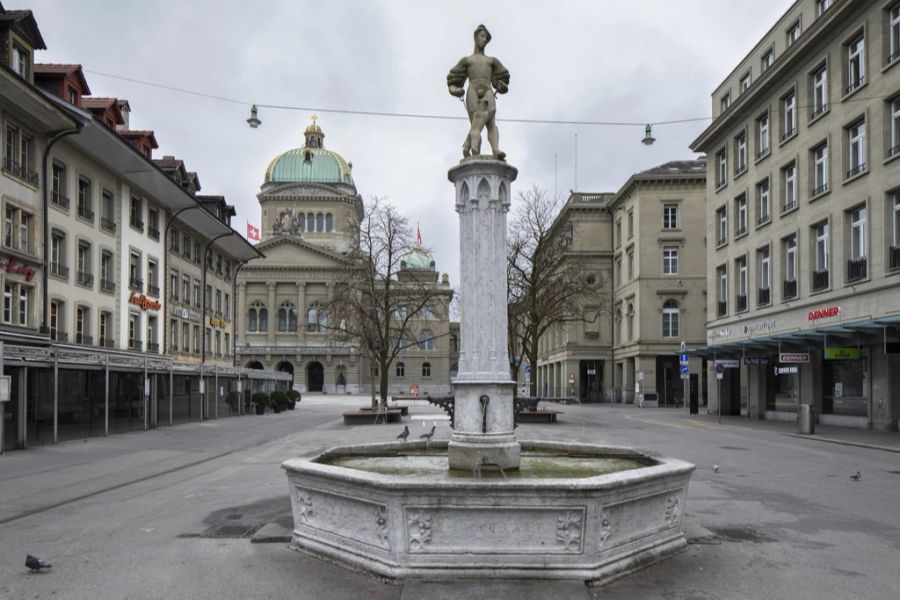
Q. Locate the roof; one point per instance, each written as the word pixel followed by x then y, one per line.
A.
pixel 309 164
pixel 26 23
pixel 139 134
pixel 418 258
pixel 693 170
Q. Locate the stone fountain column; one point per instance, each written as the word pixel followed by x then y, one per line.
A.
pixel 484 430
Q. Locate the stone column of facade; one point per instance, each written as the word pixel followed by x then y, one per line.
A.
pixel 240 331
pixel 301 312
pixel 484 429
pixel 273 312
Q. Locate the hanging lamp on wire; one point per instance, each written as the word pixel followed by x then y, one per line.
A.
pixel 648 136
pixel 254 121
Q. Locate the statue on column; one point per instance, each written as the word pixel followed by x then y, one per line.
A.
pixel 487 77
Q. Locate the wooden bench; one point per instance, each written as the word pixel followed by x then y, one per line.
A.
pixel 541 415
pixel 366 416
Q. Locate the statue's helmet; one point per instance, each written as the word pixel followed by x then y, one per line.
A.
pixel 484 29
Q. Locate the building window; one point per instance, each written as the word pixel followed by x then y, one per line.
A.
pixel 856 266
pixel 856 148
pixel 822 6
pixel 20 155
pixel 152 278
pixel 670 260
pixel 218 343
pixel 630 224
pixel 17 227
pixel 197 251
pixel 208 298
pixel 763 203
pixel 789 113
pixel 630 266
pixel 228 312
pixel 329 222
pixel 185 244
pixel 721 168
pixel 725 102
pixel 58 186
pixel 173 239
pixel 185 338
pixel 764 276
pixel 670 216
pixel 254 317
pixel 82 325
pixel 619 271
pixel 762 135
pixel 135 281
pixel 820 268
pixel 173 335
pixel 19 60
pixel 57 314
pixel 819 91
pixel 721 290
pixel 85 275
pixel 401 369
pixel 790 267
pixel 740 296
pixel 767 59
pixel 894 33
pixel 793 33
pixel 134 331
pixel 58 254
pixel 85 199
pixel 856 63
pixel 173 285
pixel 789 187
pixel 722 226
pixel 894 204
pixel 137 213
pixel 745 82
pixel 287 317
pixel 820 169
pixel 670 319
pixel 740 211
pixel 316 319
pixel 426 340
pixel 218 302
pixel 894 125
pixel 105 336
pixel 426 369
pixel 107 211
pixel 153 223
pixel 185 288
pixel 630 322
pixel 107 277
pixel 740 153
pixel 618 233
pixel 310 222
pixel 227 348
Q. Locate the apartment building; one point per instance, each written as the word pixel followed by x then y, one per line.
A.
pixel 803 219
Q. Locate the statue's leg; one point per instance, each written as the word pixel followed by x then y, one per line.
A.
pixel 475 132
pixel 493 135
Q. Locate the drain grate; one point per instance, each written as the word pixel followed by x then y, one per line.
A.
pixel 741 534
pixel 224 531
pixel 732 448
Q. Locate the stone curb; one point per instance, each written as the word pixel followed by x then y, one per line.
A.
pixel 818 438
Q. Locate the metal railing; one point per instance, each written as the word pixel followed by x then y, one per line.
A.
pixel 134 344
pixel 108 224
pixel 85 213
pixel 788 133
pixel 136 284
pixel 741 301
pixel 855 84
pixel 856 269
pixel 856 170
pixel 789 289
pixel 819 280
pixel 58 199
pixel 85 278
pixel 86 340
pixel 153 347
pixel 153 232
pixel 137 223
pixel 153 290
pixel 107 342
pixel 59 270
pixel 819 190
pixel 107 285
pixel 895 257
pixel 721 308
pixel 763 296
pixel 59 336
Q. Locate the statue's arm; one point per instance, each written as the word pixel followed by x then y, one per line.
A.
pixel 500 77
pixel 457 76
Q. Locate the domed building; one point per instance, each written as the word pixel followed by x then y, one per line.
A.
pixel 310 213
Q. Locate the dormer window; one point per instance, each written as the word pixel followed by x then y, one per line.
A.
pixel 307 156
pixel 73 96
pixel 19 60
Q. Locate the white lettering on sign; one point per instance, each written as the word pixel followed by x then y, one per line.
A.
pixel 761 326
pixel 786 370
pixel 800 357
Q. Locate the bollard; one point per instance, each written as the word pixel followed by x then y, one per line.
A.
pixel 807 419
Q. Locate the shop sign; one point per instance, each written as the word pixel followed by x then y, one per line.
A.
pixel 823 313
pixel 144 302
pixel 756 360
pixel 592 371
pixel 728 363
pixel 571 377
pixel 719 333
pixel 793 370
pixel 217 323
pixel 801 357
pixel 761 326
pixel 11 264
pixel 186 314
pixel 841 353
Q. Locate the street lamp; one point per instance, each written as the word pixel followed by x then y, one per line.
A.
pixel 648 137
pixel 254 121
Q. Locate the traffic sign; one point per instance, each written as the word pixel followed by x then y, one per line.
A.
pixel 684 369
pixel 728 363
pixel 683 358
pixel 720 369
pixel 527 368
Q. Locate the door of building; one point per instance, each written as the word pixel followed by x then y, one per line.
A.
pixel 315 377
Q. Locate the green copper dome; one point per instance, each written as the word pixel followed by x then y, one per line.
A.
pixel 418 258
pixel 311 163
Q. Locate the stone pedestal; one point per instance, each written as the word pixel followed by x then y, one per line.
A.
pixel 484 430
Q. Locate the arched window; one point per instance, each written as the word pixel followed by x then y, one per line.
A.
pixel 402 342
pixel 320 222
pixel 310 222
pixel 287 317
pixel 630 317
pixel 670 319
pixel 401 369
pixel 292 318
pixel 426 340
pixel 426 369
pixel 301 223
pixel 311 320
pixel 329 222
pixel 282 319
pixel 323 319
pixel 257 317
pixel 263 319
pixel 251 320
pixel 617 328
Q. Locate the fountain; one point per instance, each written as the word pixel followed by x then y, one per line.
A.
pixel 485 505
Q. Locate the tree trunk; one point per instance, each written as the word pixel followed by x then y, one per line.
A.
pixel 532 376
pixel 383 386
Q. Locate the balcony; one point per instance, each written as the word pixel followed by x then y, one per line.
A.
pixel 763 219
pixel 107 285
pixel 134 344
pixel 153 232
pixel 856 83
pixel 820 280
pixel 59 200
pixel 83 339
pixel 153 290
pixel 721 308
pixel 861 167
pixel 741 230
pixel 789 289
pixel 137 223
pixel 788 133
pixel 59 270
pixel 153 347
pixel 741 300
pixel 856 269
pixel 85 278
pixel 819 190
pixel 895 257
pixel 59 336
pixel 107 342
pixel 21 171
pixel 85 212
pixel 108 224
pixel 763 296
pixel 136 284
pixel 818 111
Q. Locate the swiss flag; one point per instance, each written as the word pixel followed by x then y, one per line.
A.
pixel 252 232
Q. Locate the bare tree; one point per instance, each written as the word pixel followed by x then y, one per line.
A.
pixel 545 280
pixel 376 306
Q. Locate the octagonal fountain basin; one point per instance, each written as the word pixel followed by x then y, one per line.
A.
pixel 571 511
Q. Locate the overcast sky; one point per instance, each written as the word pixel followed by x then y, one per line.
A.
pixel 640 61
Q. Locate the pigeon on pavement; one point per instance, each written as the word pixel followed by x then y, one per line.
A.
pixel 35 564
pixel 405 433
pixel 856 476
pixel 429 435
pixel 716 468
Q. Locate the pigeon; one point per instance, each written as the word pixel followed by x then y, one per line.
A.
pixel 856 476
pixel 716 468
pixel 405 433
pixel 36 564
pixel 429 435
